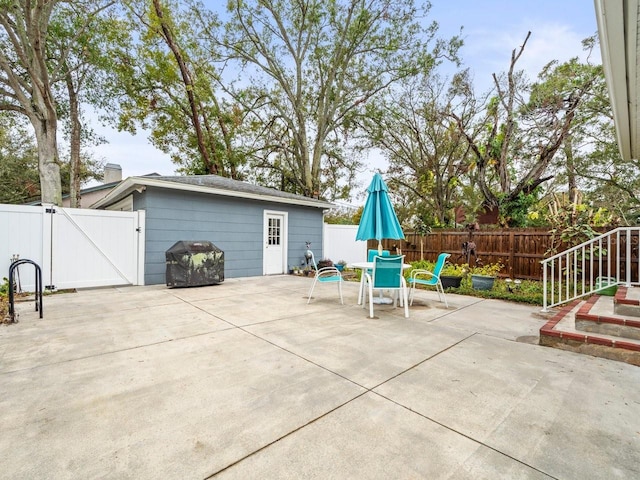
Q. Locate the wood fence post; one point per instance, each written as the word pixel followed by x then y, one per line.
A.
pixel 512 256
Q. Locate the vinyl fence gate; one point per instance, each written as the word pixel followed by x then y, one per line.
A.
pixel 76 248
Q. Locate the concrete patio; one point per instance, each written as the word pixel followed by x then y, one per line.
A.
pixel 245 380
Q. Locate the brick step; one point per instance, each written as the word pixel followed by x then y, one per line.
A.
pixel 561 332
pixel 597 315
pixel 626 302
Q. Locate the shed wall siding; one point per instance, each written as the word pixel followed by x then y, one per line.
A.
pixel 232 224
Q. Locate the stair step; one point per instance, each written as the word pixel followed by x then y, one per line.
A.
pixel 627 302
pixel 597 315
pixel 561 332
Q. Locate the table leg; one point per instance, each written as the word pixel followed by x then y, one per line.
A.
pixel 361 291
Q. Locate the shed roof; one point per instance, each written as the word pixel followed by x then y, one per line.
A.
pixel 209 184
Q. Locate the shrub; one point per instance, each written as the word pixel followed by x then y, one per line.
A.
pixel 490 270
pixel 4 299
pixel 325 262
pixel 453 270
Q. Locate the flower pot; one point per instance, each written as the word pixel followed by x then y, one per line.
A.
pixel 339 266
pixel 449 281
pixel 482 282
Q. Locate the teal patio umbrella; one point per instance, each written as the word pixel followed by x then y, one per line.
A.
pixel 379 219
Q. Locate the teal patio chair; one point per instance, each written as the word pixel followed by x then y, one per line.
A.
pixel 325 275
pixel 370 254
pixel 427 278
pixel 373 252
pixel 387 275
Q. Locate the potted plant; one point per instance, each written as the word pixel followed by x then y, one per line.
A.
pixel 340 265
pixel 325 262
pixel 484 276
pixel 452 274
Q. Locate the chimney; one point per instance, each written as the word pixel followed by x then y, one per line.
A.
pixel 112 173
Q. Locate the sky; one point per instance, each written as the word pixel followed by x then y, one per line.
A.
pixel 491 30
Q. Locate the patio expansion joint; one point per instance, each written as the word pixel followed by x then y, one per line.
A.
pixel 111 352
pixel 328 412
pixel 474 440
pixel 282 437
pixel 426 417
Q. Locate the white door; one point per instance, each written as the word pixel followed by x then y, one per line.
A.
pixel 275 242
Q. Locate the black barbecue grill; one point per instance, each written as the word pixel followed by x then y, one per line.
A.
pixel 194 263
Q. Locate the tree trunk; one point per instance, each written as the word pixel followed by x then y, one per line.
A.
pixel 211 167
pixel 45 122
pixel 76 129
pixel 571 170
pixel 50 183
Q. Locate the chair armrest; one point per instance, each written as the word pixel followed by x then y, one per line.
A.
pixel 418 272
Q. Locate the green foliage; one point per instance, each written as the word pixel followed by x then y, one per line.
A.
pixel 518 139
pixel 422 265
pixel 316 67
pixel 573 222
pixel 19 176
pixel 421 227
pixel 489 270
pixel 341 216
pixel 529 291
pixel 455 270
pixel 428 157
pixel 4 287
pixel 515 212
pixel 154 93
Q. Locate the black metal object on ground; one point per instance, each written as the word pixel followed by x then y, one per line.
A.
pixel 38 293
pixel 194 263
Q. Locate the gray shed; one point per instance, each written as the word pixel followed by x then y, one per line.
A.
pixel 262 231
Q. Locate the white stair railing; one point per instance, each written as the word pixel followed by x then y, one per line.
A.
pixel 611 257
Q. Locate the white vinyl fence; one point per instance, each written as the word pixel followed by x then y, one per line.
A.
pixel 340 244
pixel 75 248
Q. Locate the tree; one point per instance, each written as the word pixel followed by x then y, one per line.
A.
pixel 85 71
pixel 28 73
pixel 167 82
pixel 591 159
pixel 19 177
pixel 428 157
pixel 19 180
pixel 521 130
pixel 309 69
pixel 25 82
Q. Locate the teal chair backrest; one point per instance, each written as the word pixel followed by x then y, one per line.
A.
pixel 387 271
pixel 442 258
pixel 372 253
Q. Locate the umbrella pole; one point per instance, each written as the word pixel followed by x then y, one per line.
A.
pixel 380 253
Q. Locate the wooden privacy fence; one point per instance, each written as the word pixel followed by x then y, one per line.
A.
pixel 519 250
